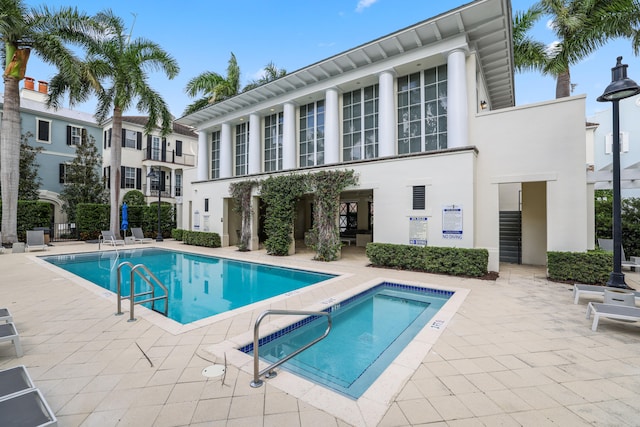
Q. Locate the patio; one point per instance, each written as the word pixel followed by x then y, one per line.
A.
pixel 518 352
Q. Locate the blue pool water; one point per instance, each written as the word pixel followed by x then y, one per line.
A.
pixel 199 286
pixel 369 331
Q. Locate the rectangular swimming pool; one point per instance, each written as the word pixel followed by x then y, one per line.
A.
pixel 199 286
pixel 369 331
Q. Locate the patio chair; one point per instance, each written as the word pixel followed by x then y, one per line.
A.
pixel 35 241
pixel 110 238
pixel 611 311
pixel 607 245
pixel 580 289
pixel 28 408
pixel 5 315
pixel 14 380
pixel 138 235
pixel 8 332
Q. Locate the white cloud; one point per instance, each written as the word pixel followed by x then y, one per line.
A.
pixel 363 4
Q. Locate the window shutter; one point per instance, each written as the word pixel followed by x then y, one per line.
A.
pixel 68 135
pixel 162 181
pixel 104 140
pixel 418 197
pixel 138 179
pixel 123 142
pixel 84 136
pixel 178 148
pixel 121 176
pixel 164 149
pixel 109 138
pixel 61 173
pixel 139 140
pixel 148 146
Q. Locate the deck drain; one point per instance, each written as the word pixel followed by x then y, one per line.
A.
pixel 213 371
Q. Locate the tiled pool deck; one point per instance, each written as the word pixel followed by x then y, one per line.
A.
pixel 517 352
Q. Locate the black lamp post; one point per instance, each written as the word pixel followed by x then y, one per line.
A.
pixel 156 175
pixel 621 87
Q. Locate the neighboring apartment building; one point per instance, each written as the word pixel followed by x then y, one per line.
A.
pixel 142 153
pixel 425 117
pixel 57 132
pixel 602 140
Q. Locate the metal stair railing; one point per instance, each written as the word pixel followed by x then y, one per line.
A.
pixel 148 278
pixel 257 382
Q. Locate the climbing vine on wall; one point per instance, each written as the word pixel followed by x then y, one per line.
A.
pixel 241 193
pixel 327 186
pixel 279 194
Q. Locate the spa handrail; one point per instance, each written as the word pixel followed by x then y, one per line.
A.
pixel 257 382
pixel 151 280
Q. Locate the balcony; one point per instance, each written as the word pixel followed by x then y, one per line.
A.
pixel 169 156
pixel 165 193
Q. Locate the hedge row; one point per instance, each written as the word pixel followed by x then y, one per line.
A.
pixel 453 261
pixel 592 267
pixel 91 219
pixel 201 238
pixel 30 214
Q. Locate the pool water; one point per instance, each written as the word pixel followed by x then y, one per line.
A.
pixel 199 286
pixel 369 331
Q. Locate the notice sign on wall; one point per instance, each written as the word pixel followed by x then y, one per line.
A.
pixel 452 222
pixel 418 230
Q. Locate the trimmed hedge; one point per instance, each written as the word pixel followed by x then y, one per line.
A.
pixel 201 238
pixel 453 261
pixel 592 267
pixel 176 233
pixel 30 214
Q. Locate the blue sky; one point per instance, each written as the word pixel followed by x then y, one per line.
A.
pixel 294 34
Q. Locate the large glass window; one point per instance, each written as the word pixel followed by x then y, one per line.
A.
pixel 360 124
pixel 129 177
pixel 312 134
pixel 44 127
pixel 215 155
pixel 74 135
pixel 155 148
pixel 348 216
pixel 130 138
pixel 273 142
pixel 242 142
pixel 422 111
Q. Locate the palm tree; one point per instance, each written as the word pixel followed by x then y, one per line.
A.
pixel 581 28
pixel 271 73
pixel 214 86
pixel 45 33
pixel 115 70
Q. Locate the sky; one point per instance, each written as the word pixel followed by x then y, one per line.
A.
pixel 294 34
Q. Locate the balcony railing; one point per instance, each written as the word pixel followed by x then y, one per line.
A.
pixel 169 156
pixel 165 193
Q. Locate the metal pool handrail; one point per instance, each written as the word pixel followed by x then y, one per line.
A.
pixel 257 382
pixel 151 280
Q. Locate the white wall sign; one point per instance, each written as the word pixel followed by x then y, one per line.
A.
pixel 452 222
pixel 418 230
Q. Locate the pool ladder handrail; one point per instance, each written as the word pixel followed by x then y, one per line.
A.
pixel 150 279
pixel 257 382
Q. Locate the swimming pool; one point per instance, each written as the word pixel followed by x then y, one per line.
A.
pixel 199 286
pixel 369 331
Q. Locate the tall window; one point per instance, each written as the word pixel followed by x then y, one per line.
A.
pixel 44 128
pixel 312 134
pixel 422 111
pixel 155 148
pixel 130 138
pixel 215 154
pixel 273 142
pixel 178 184
pixel 242 142
pixel 129 177
pixel 74 135
pixel 360 124
pixel 348 216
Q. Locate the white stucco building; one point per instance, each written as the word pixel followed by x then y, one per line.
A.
pixel 425 117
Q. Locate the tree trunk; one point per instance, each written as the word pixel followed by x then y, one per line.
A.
pixel 10 159
pixel 563 85
pixel 116 161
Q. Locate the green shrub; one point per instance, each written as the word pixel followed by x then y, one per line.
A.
pixel 453 261
pixel 591 267
pixel 91 219
pixel 176 233
pixel 201 238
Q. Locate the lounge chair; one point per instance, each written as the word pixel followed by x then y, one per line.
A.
pixel 611 311
pixel 138 235
pixel 28 408
pixel 582 289
pixel 8 332
pixel 607 245
pixel 110 238
pixel 35 241
pixel 14 380
pixel 5 315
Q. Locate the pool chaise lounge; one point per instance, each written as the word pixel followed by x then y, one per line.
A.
pixel 611 311
pixel 21 403
pixel 110 238
pixel 138 235
pixel 583 289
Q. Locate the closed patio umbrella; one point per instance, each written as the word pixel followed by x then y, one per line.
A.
pixel 125 218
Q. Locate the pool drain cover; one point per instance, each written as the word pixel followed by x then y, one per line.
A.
pixel 213 371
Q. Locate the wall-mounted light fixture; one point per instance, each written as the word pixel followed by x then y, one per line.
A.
pixel 483 105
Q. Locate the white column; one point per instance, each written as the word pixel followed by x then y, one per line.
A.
pixel 457 115
pixel 203 156
pixel 148 170
pixel 226 151
pixel 173 183
pixel 331 127
pixel 289 136
pixel 386 114
pixel 254 144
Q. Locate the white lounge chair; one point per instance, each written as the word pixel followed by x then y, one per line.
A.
pixel 138 235
pixel 109 238
pixel 607 245
pixel 14 380
pixel 28 408
pixel 8 332
pixel 611 311
pixel 5 315
pixel 580 289
pixel 35 241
